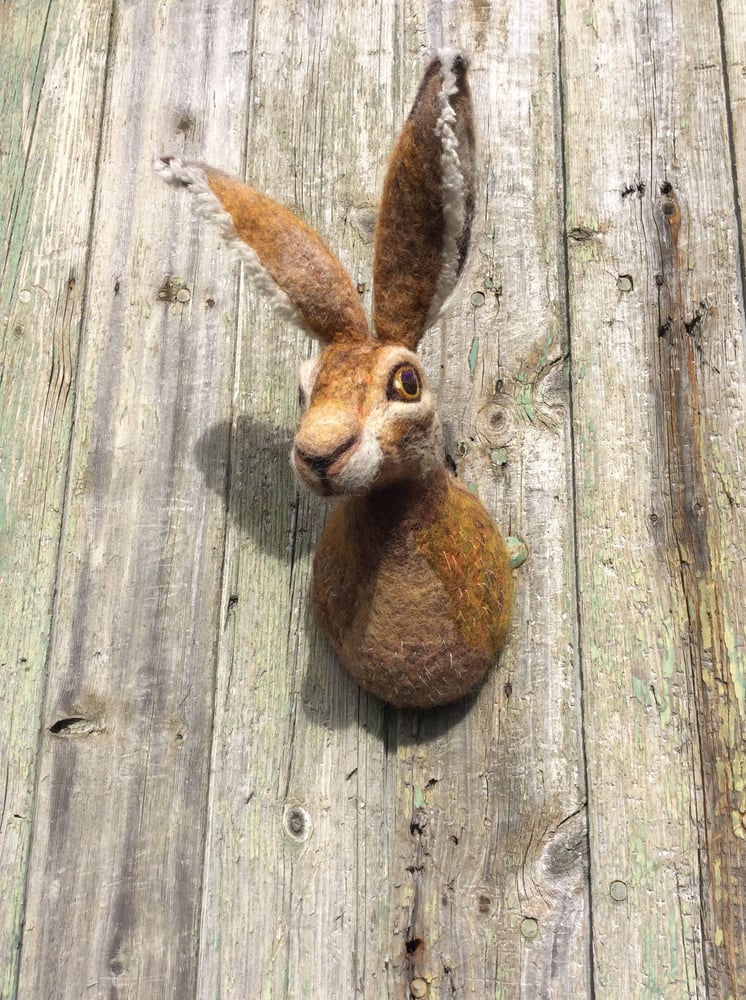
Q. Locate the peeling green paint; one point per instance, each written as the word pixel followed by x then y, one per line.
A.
pixel 517 551
pixel 641 691
pixel 738 821
pixel 668 650
pixel 663 704
pixel 736 663
pixel 525 398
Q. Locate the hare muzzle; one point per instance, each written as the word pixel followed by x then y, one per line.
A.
pixel 332 454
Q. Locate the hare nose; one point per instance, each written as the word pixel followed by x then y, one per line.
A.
pixel 319 464
pixel 324 436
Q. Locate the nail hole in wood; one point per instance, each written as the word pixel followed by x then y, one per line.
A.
pixel 73 726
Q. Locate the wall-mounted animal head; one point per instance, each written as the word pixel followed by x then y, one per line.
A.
pixel 411 581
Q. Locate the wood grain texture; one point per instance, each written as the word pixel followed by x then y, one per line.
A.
pixel 215 809
pixel 733 22
pixel 658 399
pixel 51 91
pixel 429 852
pixel 123 768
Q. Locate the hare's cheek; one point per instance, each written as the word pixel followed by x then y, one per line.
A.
pixel 414 441
pixel 408 422
pixel 399 438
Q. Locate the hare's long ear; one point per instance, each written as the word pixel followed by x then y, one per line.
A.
pixel 427 208
pixel 288 261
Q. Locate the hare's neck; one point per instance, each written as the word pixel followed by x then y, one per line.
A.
pixel 412 503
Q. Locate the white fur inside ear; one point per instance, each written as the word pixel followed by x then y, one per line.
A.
pixel 193 176
pixel 447 57
pixel 453 186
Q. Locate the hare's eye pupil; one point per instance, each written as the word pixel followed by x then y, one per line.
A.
pixel 409 381
pixel 404 384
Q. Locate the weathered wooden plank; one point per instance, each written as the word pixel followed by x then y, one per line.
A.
pixel 498 913
pixel 659 396
pixel 51 88
pixel 734 48
pixel 352 849
pixel 120 815
pixel 385 847
pixel 300 792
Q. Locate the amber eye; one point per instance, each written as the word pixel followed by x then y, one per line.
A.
pixel 404 384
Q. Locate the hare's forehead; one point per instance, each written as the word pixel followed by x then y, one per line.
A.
pixel 351 370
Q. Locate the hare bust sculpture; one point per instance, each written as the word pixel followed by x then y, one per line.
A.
pixel 411 580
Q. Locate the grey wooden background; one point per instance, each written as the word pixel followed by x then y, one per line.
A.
pixel 195 799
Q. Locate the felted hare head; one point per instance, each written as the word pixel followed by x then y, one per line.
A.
pixel 411 579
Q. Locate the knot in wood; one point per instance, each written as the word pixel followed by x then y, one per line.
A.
pixel 297 823
pixel 496 422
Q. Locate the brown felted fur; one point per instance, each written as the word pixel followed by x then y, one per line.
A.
pixel 296 258
pixel 409 261
pixel 411 580
pixel 413 588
